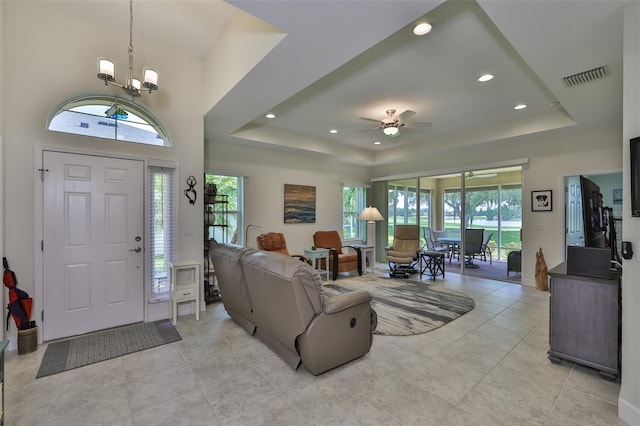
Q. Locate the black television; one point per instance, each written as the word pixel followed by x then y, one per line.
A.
pixel 634 152
pixel 593 214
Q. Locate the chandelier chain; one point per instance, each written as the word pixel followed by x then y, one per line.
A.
pixel 130 26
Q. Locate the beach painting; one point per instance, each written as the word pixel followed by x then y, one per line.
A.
pixel 299 204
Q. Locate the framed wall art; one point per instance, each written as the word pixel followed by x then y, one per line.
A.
pixel 541 201
pixel 299 204
pixel 617 196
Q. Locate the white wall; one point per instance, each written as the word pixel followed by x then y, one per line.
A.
pixel 629 400
pixel 551 156
pixel 50 56
pixel 266 173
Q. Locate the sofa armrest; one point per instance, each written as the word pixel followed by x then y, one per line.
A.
pixel 344 301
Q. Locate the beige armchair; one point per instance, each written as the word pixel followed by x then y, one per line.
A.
pixel 403 255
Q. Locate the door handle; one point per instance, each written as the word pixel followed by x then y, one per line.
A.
pixel 137 249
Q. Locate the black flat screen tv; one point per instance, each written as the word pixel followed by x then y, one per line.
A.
pixel 634 152
pixel 593 214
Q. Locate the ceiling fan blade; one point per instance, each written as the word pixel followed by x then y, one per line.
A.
pixel 423 124
pixel 369 119
pixel 405 115
pixel 472 175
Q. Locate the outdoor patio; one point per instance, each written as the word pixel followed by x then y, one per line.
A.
pixel 497 270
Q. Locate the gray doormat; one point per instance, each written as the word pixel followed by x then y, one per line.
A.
pixel 406 307
pixel 103 345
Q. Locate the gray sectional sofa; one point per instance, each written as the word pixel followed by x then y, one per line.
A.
pixel 281 301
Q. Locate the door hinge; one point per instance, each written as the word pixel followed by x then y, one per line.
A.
pixel 41 245
pixel 42 316
pixel 42 173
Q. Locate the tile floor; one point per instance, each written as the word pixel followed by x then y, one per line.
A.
pixel 488 367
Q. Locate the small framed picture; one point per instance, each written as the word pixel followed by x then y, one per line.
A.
pixel 617 196
pixel 541 201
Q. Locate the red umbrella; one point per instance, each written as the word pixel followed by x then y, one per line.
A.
pixel 20 304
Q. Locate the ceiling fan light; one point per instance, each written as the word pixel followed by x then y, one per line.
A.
pixel 391 131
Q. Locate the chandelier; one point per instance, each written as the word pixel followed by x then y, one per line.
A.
pixel 132 86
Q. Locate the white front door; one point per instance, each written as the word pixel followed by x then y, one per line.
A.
pixel 93 275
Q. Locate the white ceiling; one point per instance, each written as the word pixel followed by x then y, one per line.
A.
pixel 342 60
pixel 345 59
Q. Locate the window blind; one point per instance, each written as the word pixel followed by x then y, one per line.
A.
pixel 160 230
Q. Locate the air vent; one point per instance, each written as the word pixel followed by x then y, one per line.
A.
pixel 585 76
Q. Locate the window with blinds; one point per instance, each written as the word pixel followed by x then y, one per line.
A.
pixel 160 230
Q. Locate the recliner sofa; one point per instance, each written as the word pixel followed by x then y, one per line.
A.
pixel 282 300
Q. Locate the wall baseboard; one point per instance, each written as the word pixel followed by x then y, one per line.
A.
pixel 628 412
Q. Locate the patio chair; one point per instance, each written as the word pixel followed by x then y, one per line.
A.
pixel 514 260
pixel 484 248
pixel 472 244
pixel 432 244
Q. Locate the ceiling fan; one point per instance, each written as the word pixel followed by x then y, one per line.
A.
pixel 472 175
pixel 391 124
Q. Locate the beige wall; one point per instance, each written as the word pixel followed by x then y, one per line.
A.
pixel 266 173
pixel 48 57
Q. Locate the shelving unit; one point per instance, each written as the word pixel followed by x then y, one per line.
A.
pixel 185 287
pixel 216 224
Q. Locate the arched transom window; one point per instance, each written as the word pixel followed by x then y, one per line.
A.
pixel 109 117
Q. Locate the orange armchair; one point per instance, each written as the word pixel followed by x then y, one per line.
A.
pixel 275 241
pixel 339 260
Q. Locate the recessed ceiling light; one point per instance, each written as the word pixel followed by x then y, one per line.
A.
pixel 333 131
pixel 377 143
pixel 520 106
pixel 422 28
pixel 270 115
pixel 485 77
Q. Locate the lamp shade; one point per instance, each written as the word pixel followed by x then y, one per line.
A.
pixel 371 214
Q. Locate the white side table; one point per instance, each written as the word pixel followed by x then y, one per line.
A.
pixel 367 253
pixel 185 287
pixel 317 255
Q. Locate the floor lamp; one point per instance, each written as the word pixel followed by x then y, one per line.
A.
pixel 371 215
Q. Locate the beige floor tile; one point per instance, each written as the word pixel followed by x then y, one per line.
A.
pixel 489 367
pixel 584 409
pixel 500 334
pixel 410 405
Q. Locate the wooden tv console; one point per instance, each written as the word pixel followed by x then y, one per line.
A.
pixel 584 322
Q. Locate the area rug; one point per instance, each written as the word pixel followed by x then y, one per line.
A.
pixel 406 307
pixel 103 345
